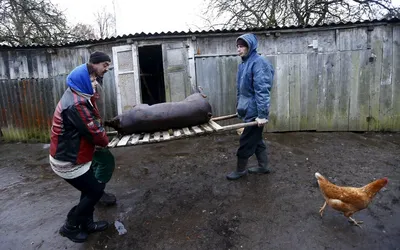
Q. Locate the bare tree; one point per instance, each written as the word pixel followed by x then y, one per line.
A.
pixel 270 13
pixel 82 32
pixel 26 22
pixel 105 23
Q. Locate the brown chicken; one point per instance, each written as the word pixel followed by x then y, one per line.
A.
pixel 348 199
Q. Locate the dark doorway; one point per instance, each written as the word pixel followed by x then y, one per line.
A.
pixel 151 74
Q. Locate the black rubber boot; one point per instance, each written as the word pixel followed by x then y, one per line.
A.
pixel 91 227
pixel 240 170
pixel 107 199
pixel 74 233
pixel 262 168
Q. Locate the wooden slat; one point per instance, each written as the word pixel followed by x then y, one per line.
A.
pixel 135 139
pixel 197 130
pixel 124 140
pixel 375 86
pixel 359 91
pixel 309 87
pixel 342 92
pixel 186 131
pixel 273 109
pixel 165 135
pixel 113 142
pixel 329 72
pixel 283 93
pixel 146 138
pixel 157 136
pixel 206 127
pixel 177 133
pixel 294 80
pixel 396 79
pixel 214 125
pixel 386 115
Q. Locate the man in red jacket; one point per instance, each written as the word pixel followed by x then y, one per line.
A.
pixel 75 132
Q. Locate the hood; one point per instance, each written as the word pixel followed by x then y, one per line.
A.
pixel 252 41
pixel 79 80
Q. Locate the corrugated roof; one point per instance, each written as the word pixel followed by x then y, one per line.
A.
pixel 190 33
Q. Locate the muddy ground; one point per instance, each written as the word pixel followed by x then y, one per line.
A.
pixel 174 195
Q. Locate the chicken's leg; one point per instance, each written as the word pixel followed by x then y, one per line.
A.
pixel 357 223
pixel 321 211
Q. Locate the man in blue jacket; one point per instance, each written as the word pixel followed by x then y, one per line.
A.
pixel 254 82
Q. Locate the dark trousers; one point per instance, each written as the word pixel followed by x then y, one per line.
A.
pixel 91 192
pixel 251 142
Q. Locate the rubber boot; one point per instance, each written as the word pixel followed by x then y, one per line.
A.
pixel 240 169
pixel 262 168
pixel 73 232
pixel 71 229
pixel 91 227
pixel 107 199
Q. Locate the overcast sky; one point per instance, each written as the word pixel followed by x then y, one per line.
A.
pixel 139 15
pixel 135 16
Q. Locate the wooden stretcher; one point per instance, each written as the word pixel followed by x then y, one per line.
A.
pixel 174 134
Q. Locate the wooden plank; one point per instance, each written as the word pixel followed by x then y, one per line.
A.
pixel 396 78
pixel 328 70
pixel 157 136
pixel 206 127
pixel 386 88
pixel 309 86
pixel 215 125
pixel 124 140
pixel 342 92
pixel 166 135
pixel 177 133
pixel 146 138
pixel 374 90
pixel 135 139
pixel 273 107
pixel 186 131
pixel 113 142
pixel 282 92
pixel 197 130
pixel 294 92
pixel 226 72
pixel 359 91
pixel 352 39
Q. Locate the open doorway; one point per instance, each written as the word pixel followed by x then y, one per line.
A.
pixel 151 74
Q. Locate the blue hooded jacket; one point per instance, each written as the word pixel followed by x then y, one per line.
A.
pixel 254 82
pixel 79 80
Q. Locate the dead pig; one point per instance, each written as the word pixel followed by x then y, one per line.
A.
pixel 194 110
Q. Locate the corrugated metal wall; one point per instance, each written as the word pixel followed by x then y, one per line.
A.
pixel 27 106
pixel 31 84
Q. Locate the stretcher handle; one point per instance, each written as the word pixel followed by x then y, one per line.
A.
pixel 226 117
pixel 240 125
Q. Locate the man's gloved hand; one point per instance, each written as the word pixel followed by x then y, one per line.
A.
pixel 261 121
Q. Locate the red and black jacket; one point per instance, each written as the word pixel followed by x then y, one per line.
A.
pixel 76 129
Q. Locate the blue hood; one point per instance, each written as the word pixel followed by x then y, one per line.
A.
pixel 79 80
pixel 252 41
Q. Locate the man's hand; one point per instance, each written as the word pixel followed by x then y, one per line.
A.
pixel 261 121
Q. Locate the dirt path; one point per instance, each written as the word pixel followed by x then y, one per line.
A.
pixel 175 196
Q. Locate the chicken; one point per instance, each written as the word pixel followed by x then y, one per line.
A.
pixel 348 199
